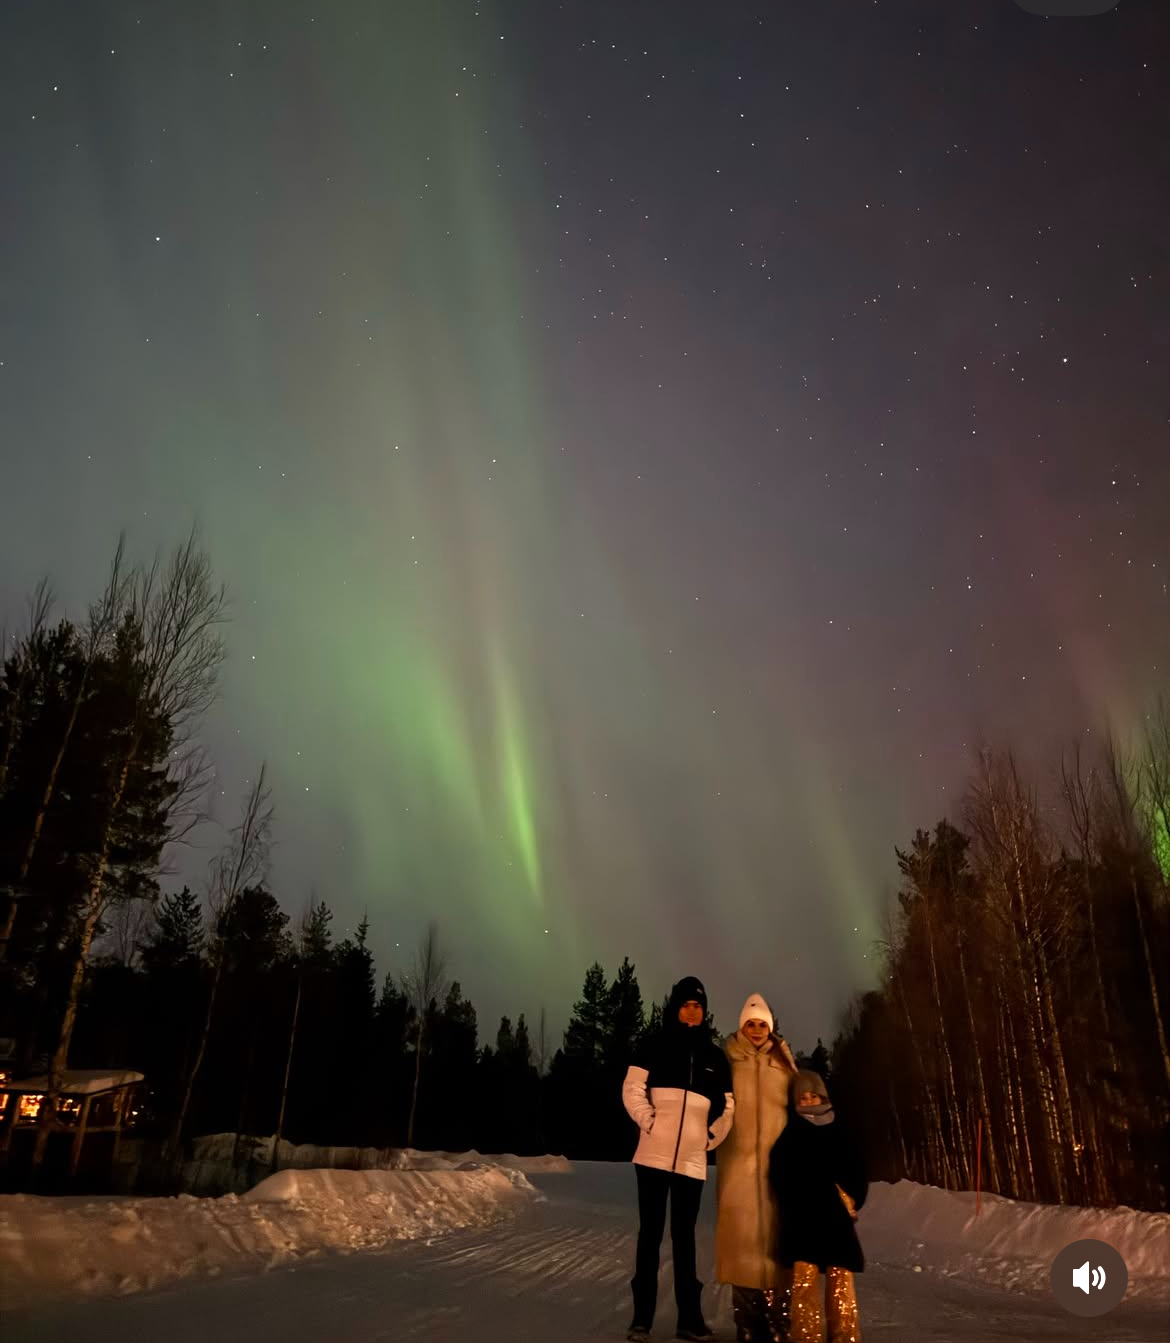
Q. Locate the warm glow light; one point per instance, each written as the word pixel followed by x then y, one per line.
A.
pixel 29 1108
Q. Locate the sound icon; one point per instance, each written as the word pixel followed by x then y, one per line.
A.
pixel 1088 1277
pixel 1083 1276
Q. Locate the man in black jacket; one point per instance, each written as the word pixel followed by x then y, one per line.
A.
pixel 678 1092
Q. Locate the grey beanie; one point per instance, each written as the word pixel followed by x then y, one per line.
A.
pixel 807 1080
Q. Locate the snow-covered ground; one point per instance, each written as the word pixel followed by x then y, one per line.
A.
pixel 54 1248
pixel 558 1268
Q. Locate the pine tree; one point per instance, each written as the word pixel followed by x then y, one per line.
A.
pixel 447 1113
pixel 625 1019
pixel 312 962
pixel 316 950
pixel 521 1045
pixel 254 934
pixel 177 937
pixel 579 1113
pixel 255 943
pixel 819 1060
pixel 653 1023
pixel 589 1028
pixel 625 1024
pixel 391 1064
pixel 351 1061
pixel 505 1041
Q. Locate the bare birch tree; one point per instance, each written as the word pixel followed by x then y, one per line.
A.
pixel 1015 851
pixel 242 863
pixel 424 983
pixel 170 619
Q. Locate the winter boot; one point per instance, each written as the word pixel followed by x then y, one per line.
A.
pixel 777 1313
pixel 748 1313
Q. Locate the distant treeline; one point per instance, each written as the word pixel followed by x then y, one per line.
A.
pixel 1017 1035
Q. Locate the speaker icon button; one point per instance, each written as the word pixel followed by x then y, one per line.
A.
pixel 1084 1277
pixel 1088 1277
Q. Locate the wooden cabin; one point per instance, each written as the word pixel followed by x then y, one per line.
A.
pixel 96 1103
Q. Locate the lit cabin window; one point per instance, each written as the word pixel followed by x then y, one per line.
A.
pixel 30 1107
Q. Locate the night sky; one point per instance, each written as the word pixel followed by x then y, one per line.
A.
pixel 649 445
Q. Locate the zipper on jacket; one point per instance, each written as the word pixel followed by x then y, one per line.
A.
pixel 683 1117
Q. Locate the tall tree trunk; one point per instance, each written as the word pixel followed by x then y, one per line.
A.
pixel 292 1041
pixel 418 1048
pixel 1020 1145
pixel 1099 977
pixel 93 908
pixel 175 1137
pixel 937 1152
pixel 38 824
pixel 1073 1138
pixel 898 1130
pixel 980 1080
pixel 244 861
pixel 58 1062
pixel 102 619
pixel 1011 1188
pixel 1053 1157
pixel 1098 1166
pixel 1023 943
pixel 959 1140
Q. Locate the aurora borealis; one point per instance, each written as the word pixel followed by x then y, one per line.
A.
pixel 648 447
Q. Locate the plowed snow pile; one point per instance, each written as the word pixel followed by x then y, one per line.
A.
pixel 52 1247
pixel 1007 1243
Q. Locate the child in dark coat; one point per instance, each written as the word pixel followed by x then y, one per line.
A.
pixel 820 1183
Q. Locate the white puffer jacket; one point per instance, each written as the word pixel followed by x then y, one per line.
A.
pixel 676 1132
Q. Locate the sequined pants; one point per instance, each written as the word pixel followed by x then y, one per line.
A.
pixel 840 1314
pixel 760 1313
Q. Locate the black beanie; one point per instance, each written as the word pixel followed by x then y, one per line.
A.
pixel 688 990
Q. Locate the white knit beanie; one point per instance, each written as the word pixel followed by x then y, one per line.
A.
pixel 756 1009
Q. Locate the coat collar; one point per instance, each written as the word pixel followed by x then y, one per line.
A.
pixel 774 1051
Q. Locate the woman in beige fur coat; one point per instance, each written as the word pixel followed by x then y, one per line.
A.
pixel 747 1226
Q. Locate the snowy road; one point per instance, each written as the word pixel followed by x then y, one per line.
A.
pixel 559 1272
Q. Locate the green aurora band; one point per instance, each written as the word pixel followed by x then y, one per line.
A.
pixel 474 662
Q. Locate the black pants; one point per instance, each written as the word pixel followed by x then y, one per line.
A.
pixel 685 1194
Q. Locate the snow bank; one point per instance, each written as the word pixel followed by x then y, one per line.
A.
pixel 1011 1244
pixel 54 1247
pixel 408 1159
pixel 221 1162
